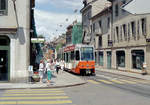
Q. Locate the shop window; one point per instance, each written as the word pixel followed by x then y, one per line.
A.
pixel 143 24
pixel 101 63
pixel 120 58
pixel 137 59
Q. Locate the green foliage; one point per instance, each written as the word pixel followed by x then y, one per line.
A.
pixel 58 46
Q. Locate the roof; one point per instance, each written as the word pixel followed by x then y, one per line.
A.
pixel 138 6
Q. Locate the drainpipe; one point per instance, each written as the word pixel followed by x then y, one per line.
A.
pixel 14 3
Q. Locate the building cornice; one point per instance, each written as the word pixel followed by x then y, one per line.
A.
pixel 8 30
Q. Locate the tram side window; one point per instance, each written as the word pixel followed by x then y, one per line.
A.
pixel 77 55
pixel 72 55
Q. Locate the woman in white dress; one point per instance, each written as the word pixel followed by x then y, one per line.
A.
pixel 41 70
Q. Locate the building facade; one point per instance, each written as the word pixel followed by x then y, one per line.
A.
pixel 121 39
pixel 129 34
pixel 14 40
pixel 102 37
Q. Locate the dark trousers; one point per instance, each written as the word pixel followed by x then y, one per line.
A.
pixel 57 69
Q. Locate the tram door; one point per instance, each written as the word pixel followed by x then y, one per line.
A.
pixel 3 65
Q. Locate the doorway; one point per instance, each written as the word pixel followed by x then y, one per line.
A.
pixel 4 58
pixel 109 59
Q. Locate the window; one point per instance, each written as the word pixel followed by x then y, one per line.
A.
pixel 3 7
pixel 100 41
pixel 100 24
pixel 133 29
pixel 128 31
pixel 138 29
pixel 125 31
pixel 143 24
pixel 121 32
pixel 117 33
pixel 116 10
pixel 108 22
pixel 94 27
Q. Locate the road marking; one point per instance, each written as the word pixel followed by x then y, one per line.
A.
pixel 35 102
pixel 105 81
pixel 127 81
pixel 34 92
pixel 32 98
pixel 116 81
pixel 141 81
pixel 50 94
pixel 94 82
pixel 107 77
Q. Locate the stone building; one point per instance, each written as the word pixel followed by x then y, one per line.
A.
pixel 121 38
pixel 129 34
pixel 90 9
pixel 14 39
pixel 102 37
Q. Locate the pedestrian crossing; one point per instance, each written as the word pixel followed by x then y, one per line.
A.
pixel 118 81
pixel 35 97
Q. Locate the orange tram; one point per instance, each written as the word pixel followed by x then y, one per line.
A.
pixel 79 59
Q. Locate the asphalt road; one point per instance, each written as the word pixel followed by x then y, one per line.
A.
pixel 102 89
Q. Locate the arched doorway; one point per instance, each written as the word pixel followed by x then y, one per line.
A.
pixel 4 58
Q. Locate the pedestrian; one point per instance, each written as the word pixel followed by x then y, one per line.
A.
pixel 49 73
pixel 41 70
pixel 57 66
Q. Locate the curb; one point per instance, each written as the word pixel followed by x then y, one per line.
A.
pixel 123 75
pixel 63 86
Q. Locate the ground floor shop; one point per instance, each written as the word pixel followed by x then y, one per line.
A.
pixel 14 58
pixel 127 59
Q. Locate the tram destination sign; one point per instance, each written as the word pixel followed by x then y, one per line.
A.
pixel 69 48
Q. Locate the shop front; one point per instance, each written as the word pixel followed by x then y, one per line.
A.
pixel 137 59
pixel 4 58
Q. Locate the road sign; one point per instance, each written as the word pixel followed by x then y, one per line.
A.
pixel 37 40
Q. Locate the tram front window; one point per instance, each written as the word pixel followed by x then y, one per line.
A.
pixel 87 54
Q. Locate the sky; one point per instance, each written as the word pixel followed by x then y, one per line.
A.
pixel 53 16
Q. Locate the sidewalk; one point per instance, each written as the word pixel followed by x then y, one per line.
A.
pixel 129 74
pixel 64 79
